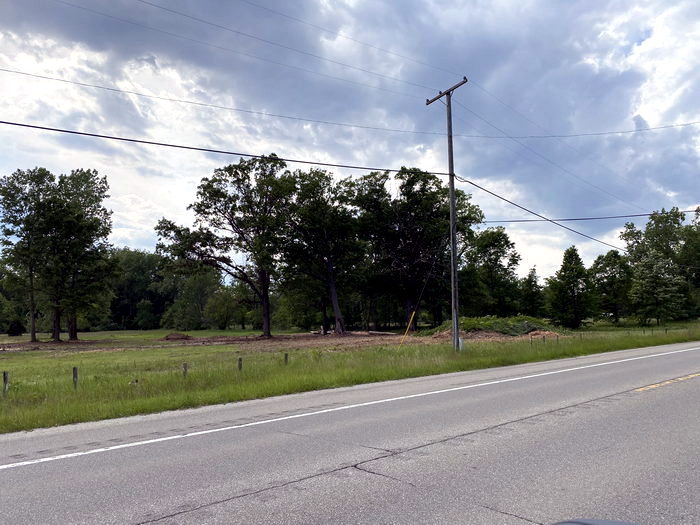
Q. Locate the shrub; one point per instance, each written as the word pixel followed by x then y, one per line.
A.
pixel 16 328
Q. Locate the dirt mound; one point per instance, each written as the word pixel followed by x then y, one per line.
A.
pixel 487 335
pixel 176 336
pixel 478 334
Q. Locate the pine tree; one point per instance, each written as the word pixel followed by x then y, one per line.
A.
pixel 570 291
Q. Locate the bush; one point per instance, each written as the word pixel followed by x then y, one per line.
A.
pixel 16 328
pixel 518 325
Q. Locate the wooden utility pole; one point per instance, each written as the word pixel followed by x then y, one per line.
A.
pixel 453 211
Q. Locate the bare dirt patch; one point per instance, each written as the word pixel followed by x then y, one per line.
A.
pixel 251 343
pixel 47 345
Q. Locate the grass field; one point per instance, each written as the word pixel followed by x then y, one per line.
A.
pixel 127 376
pixel 124 338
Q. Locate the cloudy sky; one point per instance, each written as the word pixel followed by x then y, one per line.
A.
pixel 535 68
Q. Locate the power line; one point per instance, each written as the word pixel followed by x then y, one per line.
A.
pixel 477 85
pixel 304 119
pixel 318 121
pixel 205 150
pixel 513 150
pixel 348 37
pixel 216 106
pixel 580 218
pixel 293 161
pixel 361 84
pixel 553 221
pixel 282 46
pixel 546 159
pixel 235 51
pixel 604 133
pixel 565 143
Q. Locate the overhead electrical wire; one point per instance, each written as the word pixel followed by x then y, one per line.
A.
pixel 217 106
pixel 348 37
pixel 552 221
pixel 202 149
pixel 475 84
pixel 566 144
pixel 495 97
pixel 505 135
pixel 275 115
pixel 282 46
pixel 292 161
pixel 301 119
pixel 607 133
pixel 499 100
pixel 235 51
pixel 346 166
pixel 508 221
pixel 545 158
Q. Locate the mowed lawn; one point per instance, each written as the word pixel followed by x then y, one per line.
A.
pixel 127 373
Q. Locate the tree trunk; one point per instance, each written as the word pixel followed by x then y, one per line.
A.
pixel 72 327
pixel 56 329
pixel 332 289
pixel 264 278
pixel 439 319
pixel 32 309
pixel 324 325
pixel 373 320
pixel 410 316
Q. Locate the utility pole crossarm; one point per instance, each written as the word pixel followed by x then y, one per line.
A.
pixel 453 210
pixel 443 93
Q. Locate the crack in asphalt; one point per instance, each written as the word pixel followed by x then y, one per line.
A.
pixel 390 454
pixel 368 471
pixel 255 492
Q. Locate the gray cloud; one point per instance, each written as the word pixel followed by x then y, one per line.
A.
pixel 570 66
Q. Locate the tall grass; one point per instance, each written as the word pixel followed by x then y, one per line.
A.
pixel 137 381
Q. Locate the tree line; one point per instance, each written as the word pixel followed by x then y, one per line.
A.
pixel 306 250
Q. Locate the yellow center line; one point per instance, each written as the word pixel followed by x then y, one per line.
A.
pixel 668 382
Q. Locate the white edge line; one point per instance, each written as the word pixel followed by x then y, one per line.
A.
pixel 334 409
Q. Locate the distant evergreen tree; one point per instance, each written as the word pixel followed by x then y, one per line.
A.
pixel 570 294
pixel 531 295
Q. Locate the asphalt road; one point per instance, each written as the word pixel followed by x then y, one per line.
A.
pixel 610 436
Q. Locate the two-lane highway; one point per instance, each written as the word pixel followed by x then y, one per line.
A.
pixel 613 436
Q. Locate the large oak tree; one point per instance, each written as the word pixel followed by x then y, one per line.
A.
pixel 240 215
